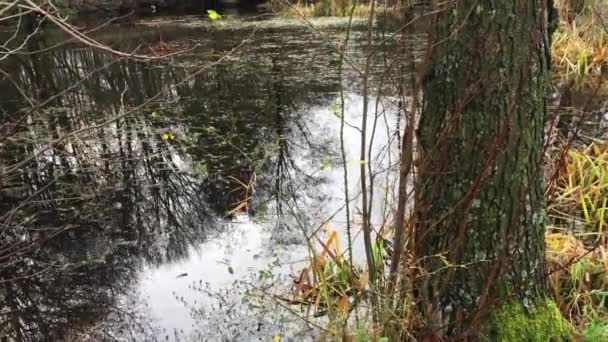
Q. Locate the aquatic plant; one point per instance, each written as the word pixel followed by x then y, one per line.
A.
pixel 331 285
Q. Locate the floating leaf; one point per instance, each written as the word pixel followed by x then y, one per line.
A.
pixel 325 163
pixel 168 136
pixel 335 108
pixel 213 15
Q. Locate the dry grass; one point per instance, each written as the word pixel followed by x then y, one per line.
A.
pixel 579 282
pixel 580 195
pixel 322 8
pixel 577 243
pixel 580 50
pixel 330 285
pixel 329 281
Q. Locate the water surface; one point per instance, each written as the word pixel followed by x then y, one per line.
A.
pixel 152 200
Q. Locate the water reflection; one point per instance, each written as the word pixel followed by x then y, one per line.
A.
pixel 100 183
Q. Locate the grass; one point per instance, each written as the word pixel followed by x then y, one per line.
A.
pixel 322 8
pixel 577 241
pixel 331 286
pixel 580 49
pixel 329 280
pixel 579 282
pixel 580 195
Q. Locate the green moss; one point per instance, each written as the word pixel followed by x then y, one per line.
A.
pixel 596 331
pixel 513 322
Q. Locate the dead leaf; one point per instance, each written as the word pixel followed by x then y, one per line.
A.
pixel 343 304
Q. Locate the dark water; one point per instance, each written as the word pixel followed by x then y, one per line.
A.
pixel 143 200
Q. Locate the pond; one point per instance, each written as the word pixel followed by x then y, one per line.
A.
pixel 170 199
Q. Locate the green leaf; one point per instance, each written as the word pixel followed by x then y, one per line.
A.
pixel 154 115
pixel 383 339
pixel 213 15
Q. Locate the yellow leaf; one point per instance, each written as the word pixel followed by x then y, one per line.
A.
pixel 168 136
pixel 213 15
pixel 154 115
pixel 277 338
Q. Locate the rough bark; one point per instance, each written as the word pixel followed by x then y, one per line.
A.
pixel 480 206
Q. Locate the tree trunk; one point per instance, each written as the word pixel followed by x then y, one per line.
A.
pixel 480 206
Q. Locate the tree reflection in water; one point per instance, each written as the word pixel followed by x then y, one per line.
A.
pixel 81 214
